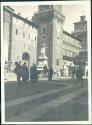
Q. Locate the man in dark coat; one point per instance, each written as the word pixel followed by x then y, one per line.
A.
pixel 79 75
pixel 25 73
pixel 33 73
pixel 18 71
pixel 50 73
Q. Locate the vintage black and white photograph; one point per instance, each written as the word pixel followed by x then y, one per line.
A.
pixel 46 65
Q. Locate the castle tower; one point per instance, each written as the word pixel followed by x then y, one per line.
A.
pixel 50 31
pixel 80 30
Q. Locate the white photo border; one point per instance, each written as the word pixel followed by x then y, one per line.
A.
pixel 89 62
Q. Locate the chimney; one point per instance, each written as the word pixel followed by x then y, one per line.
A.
pixel 82 18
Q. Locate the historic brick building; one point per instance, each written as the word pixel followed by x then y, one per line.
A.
pixel 20 38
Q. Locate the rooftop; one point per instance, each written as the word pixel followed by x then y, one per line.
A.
pixel 25 20
pixel 71 35
pixel 18 16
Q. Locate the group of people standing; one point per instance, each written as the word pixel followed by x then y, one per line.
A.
pixel 21 72
pixel 24 74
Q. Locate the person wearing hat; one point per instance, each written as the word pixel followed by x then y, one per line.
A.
pixel 25 73
pixel 18 71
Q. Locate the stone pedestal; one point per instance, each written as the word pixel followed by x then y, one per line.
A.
pixel 42 60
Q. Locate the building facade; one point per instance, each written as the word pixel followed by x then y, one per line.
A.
pixel 20 38
pixel 71 48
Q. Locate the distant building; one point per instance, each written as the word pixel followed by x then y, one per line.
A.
pixel 61 46
pixel 71 48
pixel 80 31
pixel 20 38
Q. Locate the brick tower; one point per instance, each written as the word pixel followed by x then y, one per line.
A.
pixel 50 20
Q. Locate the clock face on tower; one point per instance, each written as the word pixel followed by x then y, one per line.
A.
pixel 58 27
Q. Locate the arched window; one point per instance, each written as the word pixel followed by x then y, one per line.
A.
pixel 25 56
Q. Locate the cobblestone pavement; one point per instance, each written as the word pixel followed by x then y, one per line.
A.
pixel 57 100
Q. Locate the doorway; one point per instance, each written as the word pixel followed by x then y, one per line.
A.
pixel 26 58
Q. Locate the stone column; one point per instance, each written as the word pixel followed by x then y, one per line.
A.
pixel 10 38
pixel 8 18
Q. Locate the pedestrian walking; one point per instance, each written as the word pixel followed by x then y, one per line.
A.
pixel 6 70
pixel 33 74
pixel 79 75
pixel 73 73
pixel 50 73
pixel 45 70
pixel 18 71
pixel 25 73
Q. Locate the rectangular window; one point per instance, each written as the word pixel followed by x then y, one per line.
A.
pixel 57 62
pixel 23 35
pixel 16 31
pixel 44 30
pixel 35 38
pixel 29 36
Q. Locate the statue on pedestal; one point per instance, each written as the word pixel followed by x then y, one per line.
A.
pixel 43 48
pixel 42 60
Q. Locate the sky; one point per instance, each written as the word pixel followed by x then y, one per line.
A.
pixel 72 12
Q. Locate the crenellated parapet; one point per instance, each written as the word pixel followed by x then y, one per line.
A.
pixel 46 13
